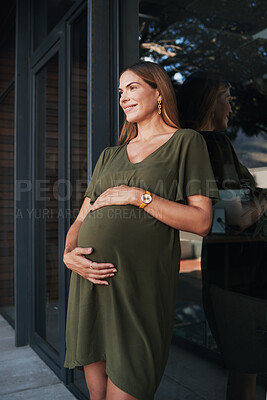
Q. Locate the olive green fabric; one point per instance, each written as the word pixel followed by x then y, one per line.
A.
pixel 129 323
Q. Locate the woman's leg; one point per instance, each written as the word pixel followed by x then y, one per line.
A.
pixel 114 393
pixel 96 379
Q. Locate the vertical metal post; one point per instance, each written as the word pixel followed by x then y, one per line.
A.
pixel 21 197
pixel 129 32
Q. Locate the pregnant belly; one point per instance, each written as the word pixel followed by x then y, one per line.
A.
pixel 113 230
pixel 140 247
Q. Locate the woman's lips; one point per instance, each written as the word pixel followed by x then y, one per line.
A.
pixel 128 108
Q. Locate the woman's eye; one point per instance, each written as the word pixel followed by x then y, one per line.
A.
pixel 133 87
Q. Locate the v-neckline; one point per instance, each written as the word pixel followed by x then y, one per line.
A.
pixel 152 153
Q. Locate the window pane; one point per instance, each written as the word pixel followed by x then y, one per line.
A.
pixel 7 204
pixel 7 61
pixel 185 37
pixel 78 111
pixel 7 104
pixel 78 131
pixel 46 210
pixel 47 13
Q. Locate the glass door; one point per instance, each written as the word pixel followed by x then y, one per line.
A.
pixel 78 137
pixel 46 205
pixel 60 178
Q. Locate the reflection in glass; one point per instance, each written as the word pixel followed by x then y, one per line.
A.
pixel 192 35
pixel 7 204
pixel 78 112
pixel 234 253
pixel 46 207
pixel 78 132
pixel 185 37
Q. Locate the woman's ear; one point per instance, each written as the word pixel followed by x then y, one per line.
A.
pixel 159 96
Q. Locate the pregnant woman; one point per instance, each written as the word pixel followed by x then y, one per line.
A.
pixel 123 249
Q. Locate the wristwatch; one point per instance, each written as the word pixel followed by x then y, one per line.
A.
pixel 146 199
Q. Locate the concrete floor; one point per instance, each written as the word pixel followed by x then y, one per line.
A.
pixel 24 376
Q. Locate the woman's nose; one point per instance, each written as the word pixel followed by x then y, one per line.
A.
pixel 124 97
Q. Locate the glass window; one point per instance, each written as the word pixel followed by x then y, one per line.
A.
pixel 188 37
pixel 46 204
pixel 47 14
pixel 7 61
pixel 78 111
pixel 7 204
pixel 7 104
pixel 78 131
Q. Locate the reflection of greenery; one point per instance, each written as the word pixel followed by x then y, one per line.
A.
pixel 223 37
pixel 250 111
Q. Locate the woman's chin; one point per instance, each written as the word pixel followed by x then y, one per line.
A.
pixel 131 118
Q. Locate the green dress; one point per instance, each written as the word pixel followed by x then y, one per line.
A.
pixel 129 323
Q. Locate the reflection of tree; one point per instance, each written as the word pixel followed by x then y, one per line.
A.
pixel 184 36
pixel 250 111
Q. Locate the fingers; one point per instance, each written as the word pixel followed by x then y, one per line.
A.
pixel 82 250
pixel 99 266
pixel 101 273
pixel 98 282
pixel 117 195
pixel 90 270
pixel 96 276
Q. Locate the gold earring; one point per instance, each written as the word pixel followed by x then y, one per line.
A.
pixel 159 106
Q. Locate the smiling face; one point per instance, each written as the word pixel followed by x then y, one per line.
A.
pixel 222 110
pixel 138 99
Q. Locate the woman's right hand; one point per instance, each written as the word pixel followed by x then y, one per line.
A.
pixel 92 271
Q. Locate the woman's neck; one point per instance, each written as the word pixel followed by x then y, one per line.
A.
pixel 148 129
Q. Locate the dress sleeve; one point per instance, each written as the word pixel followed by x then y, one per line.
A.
pixel 92 188
pixel 195 175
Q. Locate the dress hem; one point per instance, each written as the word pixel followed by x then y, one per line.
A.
pixel 80 363
pixel 127 389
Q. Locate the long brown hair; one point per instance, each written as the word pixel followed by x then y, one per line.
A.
pixel 197 99
pixel 156 77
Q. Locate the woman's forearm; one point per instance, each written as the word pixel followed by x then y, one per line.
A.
pixel 250 213
pixel 72 236
pixel 196 217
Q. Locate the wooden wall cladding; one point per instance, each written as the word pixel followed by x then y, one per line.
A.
pixel 7 199
pixel 7 65
pixel 51 176
pixel 78 136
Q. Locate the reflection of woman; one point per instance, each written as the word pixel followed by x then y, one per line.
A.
pixel 204 105
pixel 122 295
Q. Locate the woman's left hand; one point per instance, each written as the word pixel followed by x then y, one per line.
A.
pixel 118 195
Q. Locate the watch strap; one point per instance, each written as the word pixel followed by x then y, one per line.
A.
pixel 143 204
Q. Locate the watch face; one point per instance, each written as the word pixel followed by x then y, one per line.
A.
pixel 146 198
